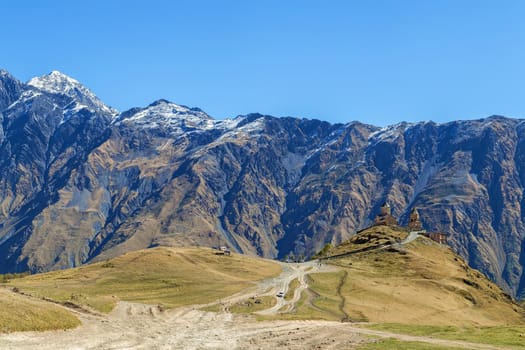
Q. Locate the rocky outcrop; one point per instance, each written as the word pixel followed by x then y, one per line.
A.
pixel 80 182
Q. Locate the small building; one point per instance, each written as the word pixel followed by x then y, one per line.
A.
pixel 438 237
pixel 223 250
pixel 414 223
pixel 385 217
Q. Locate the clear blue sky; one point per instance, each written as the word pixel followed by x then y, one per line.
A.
pixel 376 61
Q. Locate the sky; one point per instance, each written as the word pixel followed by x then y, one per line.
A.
pixel 375 61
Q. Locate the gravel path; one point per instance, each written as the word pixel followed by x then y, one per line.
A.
pixel 139 326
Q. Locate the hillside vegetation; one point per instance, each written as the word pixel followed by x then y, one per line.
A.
pixel 495 335
pixel 168 276
pixel 421 282
pixel 18 313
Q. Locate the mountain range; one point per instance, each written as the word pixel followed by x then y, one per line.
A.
pixel 81 182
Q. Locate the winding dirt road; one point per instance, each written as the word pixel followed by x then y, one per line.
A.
pixel 282 284
pixel 138 326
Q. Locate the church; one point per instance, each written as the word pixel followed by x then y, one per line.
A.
pixel 414 223
pixel 385 217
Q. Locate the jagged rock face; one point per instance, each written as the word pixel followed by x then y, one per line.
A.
pixel 10 89
pixel 80 182
pixel 45 136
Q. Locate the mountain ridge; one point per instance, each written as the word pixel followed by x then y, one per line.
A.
pixel 82 184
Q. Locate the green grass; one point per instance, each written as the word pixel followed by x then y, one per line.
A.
pixel 325 285
pixel 19 313
pixel 303 311
pixel 291 290
pixel 167 276
pixel 500 335
pixel 5 278
pixel 319 302
pixel 390 344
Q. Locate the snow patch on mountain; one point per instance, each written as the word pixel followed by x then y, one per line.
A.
pixel 25 98
pixel 4 73
pixel 178 119
pixel 162 114
pixel 59 83
pixel 238 128
pixel 168 114
pixel 389 133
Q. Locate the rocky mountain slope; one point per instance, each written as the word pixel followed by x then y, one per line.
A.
pixel 81 182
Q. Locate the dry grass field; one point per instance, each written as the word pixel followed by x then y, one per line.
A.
pixel 419 283
pixel 509 336
pixel 168 276
pixel 423 283
pixel 19 313
pixel 418 295
pixel 390 344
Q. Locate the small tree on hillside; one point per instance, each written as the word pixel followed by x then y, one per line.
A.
pixel 325 251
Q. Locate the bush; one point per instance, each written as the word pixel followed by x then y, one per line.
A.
pixel 5 278
pixel 324 252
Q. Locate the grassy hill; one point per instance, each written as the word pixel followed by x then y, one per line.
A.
pixel 18 313
pixel 416 288
pixel 168 276
pixel 421 282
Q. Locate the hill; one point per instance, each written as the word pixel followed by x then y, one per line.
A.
pixel 18 313
pixel 168 277
pixel 378 276
pixel 420 283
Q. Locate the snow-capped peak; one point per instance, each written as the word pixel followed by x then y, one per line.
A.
pixel 168 115
pixel 4 73
pixel 179 119
pixel 6 76
pixel 171 109
pixel 56 82
pixel 59 83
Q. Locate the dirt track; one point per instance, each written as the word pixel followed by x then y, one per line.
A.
pixel 138 326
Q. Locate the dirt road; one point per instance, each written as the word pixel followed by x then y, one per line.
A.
pixel 282 284
pixel 138 326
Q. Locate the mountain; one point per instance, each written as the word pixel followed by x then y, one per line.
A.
pixel 58 83
pixel 80 182
pixel 45 134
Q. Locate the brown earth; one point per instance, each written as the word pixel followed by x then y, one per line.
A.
pixel 140 326
pixel 411 280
